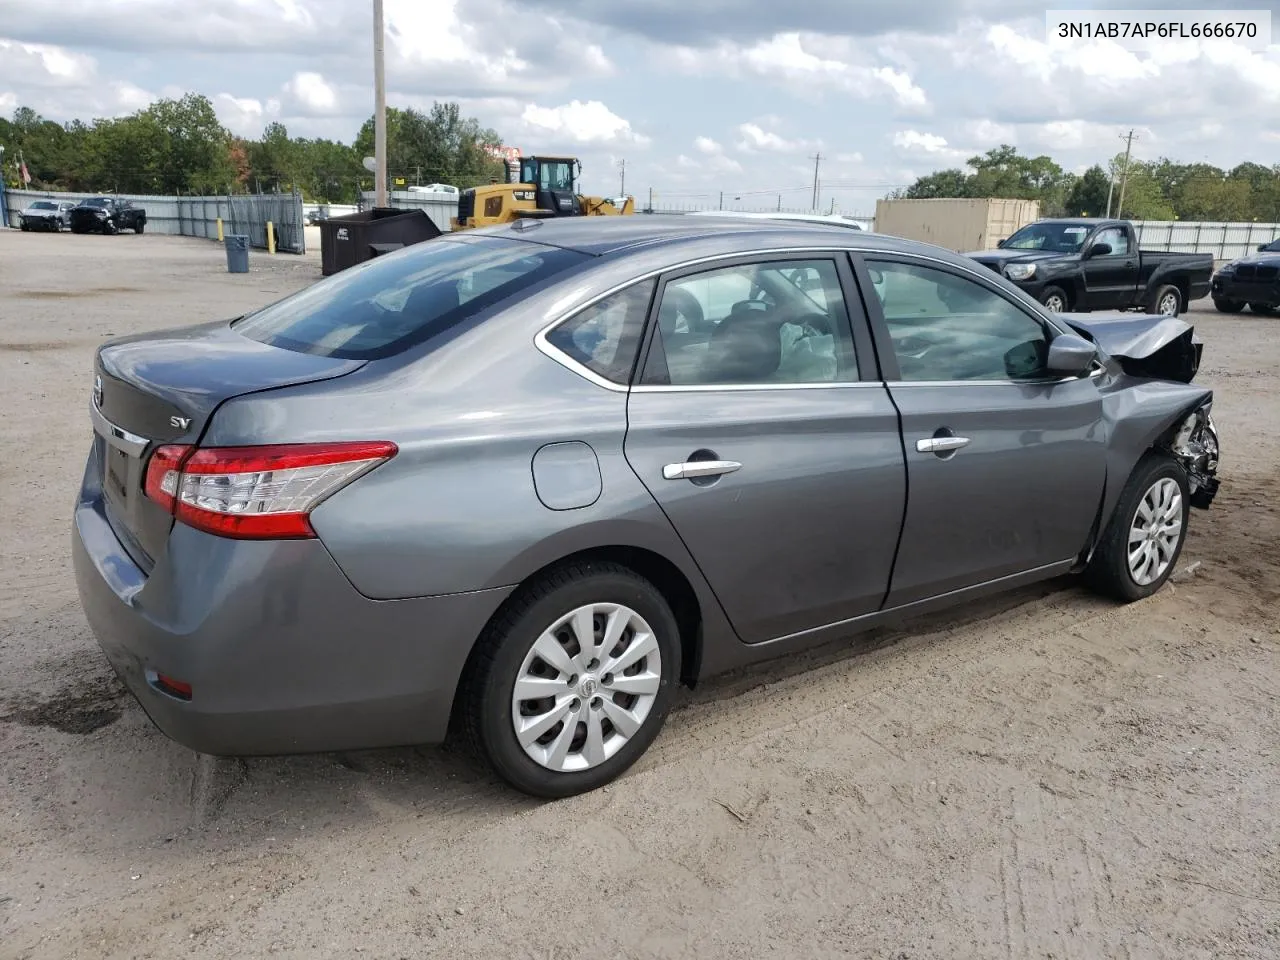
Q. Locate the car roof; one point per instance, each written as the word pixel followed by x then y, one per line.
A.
pixel 604 235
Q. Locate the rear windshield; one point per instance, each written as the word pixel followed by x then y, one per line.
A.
pixel 44 205
pixel 96 202
pixel 390 303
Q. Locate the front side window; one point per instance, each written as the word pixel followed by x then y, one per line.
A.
pixel 387 304
pixel 1115 238
pixel 781 322
pixel 605 337
pixel 947 327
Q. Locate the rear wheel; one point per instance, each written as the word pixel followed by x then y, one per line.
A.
pixel 1166 301
pixel 570 685
pixel 137 228
pixel 1228 306
pixel 1054 299
pixel 1144 539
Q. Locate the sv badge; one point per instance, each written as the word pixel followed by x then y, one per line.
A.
pixel 180 422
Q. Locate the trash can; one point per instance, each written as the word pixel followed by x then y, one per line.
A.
pixel 237 253
pixel 357 237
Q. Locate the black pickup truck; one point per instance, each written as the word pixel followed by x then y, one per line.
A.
pixel 1250 280
pixel 1085 264
pixel 107 215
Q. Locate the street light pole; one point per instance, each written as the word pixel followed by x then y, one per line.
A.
pixel 379 108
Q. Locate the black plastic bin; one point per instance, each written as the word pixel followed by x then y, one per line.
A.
pixel 357 237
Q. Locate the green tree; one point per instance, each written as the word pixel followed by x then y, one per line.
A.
pixel 1143 197
pixel 1088 194
pixel 439 146
pixel 943 183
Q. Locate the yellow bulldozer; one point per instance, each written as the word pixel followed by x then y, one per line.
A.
pixel 537 187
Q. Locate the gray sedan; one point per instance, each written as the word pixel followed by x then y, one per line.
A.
pixel 522 482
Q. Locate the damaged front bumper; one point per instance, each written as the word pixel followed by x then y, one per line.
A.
pixel 1195 445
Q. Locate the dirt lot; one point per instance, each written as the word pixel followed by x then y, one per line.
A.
pixel 1043 775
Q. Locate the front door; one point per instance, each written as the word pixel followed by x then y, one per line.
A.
pixel 1112 278
pixel 1005 465
pixel 776 457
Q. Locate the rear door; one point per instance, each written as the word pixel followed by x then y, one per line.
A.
pixel 758 423
pixel 1005 464
pixel 1112 278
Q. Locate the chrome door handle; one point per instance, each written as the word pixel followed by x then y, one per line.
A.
pixel 699 468
pixel 941 444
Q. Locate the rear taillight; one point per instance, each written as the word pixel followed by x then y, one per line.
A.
pixel 256 493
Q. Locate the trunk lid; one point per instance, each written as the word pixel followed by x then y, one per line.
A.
pixel 162 388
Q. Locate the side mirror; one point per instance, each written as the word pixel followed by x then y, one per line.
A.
pixel 1100 249
pixel 1001 243
pixel 1070 355
pixel 1262 248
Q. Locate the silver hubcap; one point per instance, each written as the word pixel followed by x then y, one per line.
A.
pixel 586 687
pixel 1055 304
pixel 1169 304
pixel 1155 531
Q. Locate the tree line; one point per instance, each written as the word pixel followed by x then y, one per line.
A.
pixel 1162 189
pixel 178 146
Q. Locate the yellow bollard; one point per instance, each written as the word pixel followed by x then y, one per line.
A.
pixel 220 230
pixel 271 237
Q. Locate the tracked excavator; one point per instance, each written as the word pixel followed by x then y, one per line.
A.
pixel 536 187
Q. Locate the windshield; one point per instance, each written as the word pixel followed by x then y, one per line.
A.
pixel 392 302
pixel 1050 236
pixel 1272 247
pixel 96 202
pixel 547 174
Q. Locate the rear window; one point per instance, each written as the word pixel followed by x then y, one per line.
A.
pixel 43 205
pixel 388 304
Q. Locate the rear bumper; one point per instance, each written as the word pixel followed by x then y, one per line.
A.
pixel 282 654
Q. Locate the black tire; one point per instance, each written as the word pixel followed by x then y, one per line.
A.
pixel 1228 306
pixel 76 228
pixel 1055 299
pixel 138 226
pixel 1265 309
pixel 485 694
pixel 25 227
pixel 1164 293
pixel 1108 572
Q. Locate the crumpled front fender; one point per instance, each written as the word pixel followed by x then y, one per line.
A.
pixel 1159 347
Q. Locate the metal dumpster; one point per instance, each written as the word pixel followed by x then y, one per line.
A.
pixel 356 237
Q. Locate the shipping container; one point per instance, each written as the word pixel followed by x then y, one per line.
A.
pixel 959 225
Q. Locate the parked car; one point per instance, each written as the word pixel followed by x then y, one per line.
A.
pixel 1084 264
pixel 46 215
pixel 528 479
pixel 1250 280
pixel 107 215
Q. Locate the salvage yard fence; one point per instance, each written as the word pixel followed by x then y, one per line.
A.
pixel 1226 241
pixel 179 216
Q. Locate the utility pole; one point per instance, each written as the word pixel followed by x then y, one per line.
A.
pixel 779 203
pixel 650 210
pixel 721 199
pixel 816 160
pixel 1111 188
pixel 379 108
pixel 1124 174
pixel 622 178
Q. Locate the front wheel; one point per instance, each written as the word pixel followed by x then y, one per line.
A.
pixel 1166 301
pixel 573 681
pixel 1228 306
pixel 1144 539
pixel 1054 299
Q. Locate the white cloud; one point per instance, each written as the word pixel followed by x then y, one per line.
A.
pixel 913 141
pixel 313 93
pixel 794 59
pixel 245 116
pixel 582 122
pixel 707 145
pixel 755 137
pixel 45 66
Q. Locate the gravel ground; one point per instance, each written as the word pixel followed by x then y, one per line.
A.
pixel 1040 775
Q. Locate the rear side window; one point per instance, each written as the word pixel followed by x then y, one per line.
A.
pixel 605 336
pixel 388 304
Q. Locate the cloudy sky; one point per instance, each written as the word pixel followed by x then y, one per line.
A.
pixel 696 96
